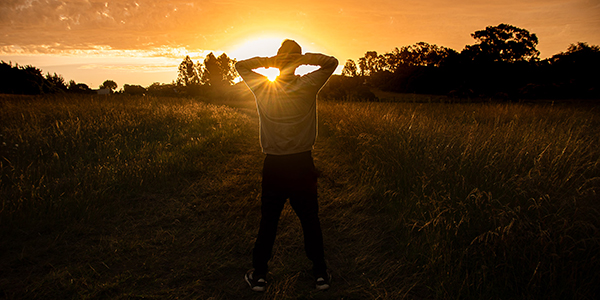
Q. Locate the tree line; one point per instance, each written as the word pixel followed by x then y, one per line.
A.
pixel 211 77
pixel 503 63
pixel 30 80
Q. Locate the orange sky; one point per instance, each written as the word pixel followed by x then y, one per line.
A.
pixel 143 41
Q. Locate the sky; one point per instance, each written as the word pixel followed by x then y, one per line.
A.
pixel 143 41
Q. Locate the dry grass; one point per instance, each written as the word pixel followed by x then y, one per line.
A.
pixel 125 198
pixel 484 200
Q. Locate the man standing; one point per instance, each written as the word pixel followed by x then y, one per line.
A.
pixel 287 110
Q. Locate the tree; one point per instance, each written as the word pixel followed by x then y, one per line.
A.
pixel 72 84
pixel 79 88
pixel 503 43
pixel 392 60
pixel 162 89
pixel 210 72
pixel 133 89
pixel 55 83
pixel 368 64
pixel 188 73
pixel 425 54
pixel 109 84
pixel 227 66
pixel 350 69
pixel 576 71
pixel 577 54
pixel 218 72
pixel 21 80
pixel 419 54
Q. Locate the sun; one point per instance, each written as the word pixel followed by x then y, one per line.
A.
pixel 271 73
pixel 256 46
pixel 266 46
pixel 259 46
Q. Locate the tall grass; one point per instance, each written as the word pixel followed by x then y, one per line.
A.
pixel 486 200
pixel 143 197
pixel 58 154
pixel 120 197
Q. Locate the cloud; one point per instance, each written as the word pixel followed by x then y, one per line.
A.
pixel 347 27
pixel 136 68
pixel 118 24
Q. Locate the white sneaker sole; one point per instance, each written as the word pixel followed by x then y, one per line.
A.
pixel 254 288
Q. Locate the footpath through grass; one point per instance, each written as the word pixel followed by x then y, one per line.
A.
pixel 159 198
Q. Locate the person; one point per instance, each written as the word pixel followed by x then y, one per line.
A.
pixel 287 110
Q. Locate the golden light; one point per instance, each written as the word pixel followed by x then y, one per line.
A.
pixel 256 46
pixel 271 73
pixel 259 46
pixel 266 46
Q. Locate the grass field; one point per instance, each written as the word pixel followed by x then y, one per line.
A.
pixel 158 198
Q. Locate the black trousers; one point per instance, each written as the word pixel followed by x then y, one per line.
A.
pixel 292 177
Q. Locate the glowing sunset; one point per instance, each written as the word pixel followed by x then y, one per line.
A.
pixel 141 42
pixel 308 149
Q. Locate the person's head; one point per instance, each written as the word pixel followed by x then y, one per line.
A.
pixel 289 48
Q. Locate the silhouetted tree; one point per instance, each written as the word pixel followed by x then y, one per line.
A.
pixel 577 54
pixel 79 88
pixel 415 68
pixel 369 64
pixel 188 73
pixel 218 72
pixel 392 60
pixel 133 89
pixel 71 84
pixel 21 80
pixel 503 43
pixel 34 80
pixel 210 72
pixel 575 72
pixel 109 84
pixel 424 54
pixel 227 66
pixel 55 83
pixel 350 69
pixel 159 89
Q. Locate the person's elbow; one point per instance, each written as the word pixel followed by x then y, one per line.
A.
pixel 333 62
pixel 239 65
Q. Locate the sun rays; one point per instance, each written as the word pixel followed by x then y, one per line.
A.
pixel 266 46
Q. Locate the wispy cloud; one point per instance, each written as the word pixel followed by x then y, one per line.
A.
pixel 137 68
pixel 131 24
pixel 105 51
pixel 345 28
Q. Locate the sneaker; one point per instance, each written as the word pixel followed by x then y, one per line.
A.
pixel 322 282
pixel 257 284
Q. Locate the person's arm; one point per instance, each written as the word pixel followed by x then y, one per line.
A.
pixel 245 67
pixel 327 65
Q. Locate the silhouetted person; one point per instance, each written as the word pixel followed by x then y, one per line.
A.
pixel 287 109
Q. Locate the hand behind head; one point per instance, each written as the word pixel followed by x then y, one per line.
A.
pixel 288 60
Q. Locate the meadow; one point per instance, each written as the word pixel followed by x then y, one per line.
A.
pixel 121 197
